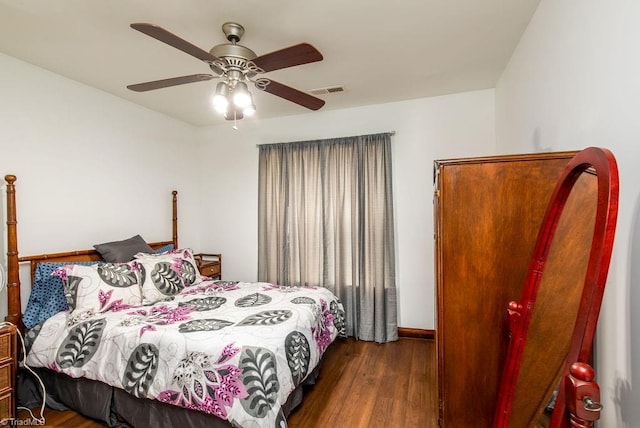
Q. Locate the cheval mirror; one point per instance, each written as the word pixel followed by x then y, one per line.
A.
pixel 548 379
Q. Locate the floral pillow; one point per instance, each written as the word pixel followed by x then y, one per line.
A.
pixel 101 287
pixel 47 293
pixel 167 274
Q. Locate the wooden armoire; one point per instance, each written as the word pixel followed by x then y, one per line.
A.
pixel 487 214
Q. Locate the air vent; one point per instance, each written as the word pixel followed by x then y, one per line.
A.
pixel 329 90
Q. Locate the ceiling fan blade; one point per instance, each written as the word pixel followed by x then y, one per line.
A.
pixel 165 83
pixel 300 54
pixel 289 93
pixel 171 39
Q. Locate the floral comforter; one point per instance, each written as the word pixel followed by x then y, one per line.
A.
pixel 234 350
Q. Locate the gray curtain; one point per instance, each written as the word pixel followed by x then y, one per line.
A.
pixel 325 218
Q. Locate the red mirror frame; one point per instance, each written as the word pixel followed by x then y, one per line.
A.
pixel 578 388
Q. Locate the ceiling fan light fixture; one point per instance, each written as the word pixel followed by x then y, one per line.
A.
pixel 241 95
pixel 220 98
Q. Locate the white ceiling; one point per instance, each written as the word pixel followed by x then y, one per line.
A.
pixel 379 50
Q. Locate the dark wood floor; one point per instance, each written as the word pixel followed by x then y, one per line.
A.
pixel 362 384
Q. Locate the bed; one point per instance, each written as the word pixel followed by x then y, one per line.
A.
pixel 150 342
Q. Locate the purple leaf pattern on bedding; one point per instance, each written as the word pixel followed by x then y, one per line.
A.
pixel 116 305
pixel 60 272
pixel 227 353
pixel 204 385
pixel 157 315
pixel 322 330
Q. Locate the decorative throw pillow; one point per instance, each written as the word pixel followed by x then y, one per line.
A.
pixel 47 294
pixel 123 251
pixel 101 287
pixel 167 274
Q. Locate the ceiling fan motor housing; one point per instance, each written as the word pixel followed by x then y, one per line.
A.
pixel 234 55
pixel 233 51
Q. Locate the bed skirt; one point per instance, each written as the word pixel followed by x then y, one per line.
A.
pixel 116 408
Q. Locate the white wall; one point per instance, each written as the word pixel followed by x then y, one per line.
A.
pixel 573 82
pixel 94 168
pixel 91 167
pixel 426 129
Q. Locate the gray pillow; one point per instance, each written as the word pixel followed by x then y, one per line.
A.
pixel 123 251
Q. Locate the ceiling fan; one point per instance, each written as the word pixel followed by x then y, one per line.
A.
pixel 236 65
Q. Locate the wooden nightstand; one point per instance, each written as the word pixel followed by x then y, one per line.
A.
pixel 209 265
pixel 8 372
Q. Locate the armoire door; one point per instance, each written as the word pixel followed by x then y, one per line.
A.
pixel 487 214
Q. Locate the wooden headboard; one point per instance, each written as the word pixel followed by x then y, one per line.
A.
pixel 14 310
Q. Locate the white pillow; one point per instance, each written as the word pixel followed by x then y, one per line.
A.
pixel 101 287
pixel 167 274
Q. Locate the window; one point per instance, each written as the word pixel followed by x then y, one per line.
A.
pixel 326 219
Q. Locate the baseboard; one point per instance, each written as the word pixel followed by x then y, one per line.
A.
pixel 416 333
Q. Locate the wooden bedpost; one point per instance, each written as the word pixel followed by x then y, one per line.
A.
pixel 175 218
pixel 14 309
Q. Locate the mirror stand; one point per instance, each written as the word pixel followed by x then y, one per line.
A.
pixel 552 327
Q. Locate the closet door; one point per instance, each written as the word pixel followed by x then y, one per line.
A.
pixel 487 214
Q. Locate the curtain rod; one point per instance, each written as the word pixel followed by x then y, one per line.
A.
pixel 392 133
